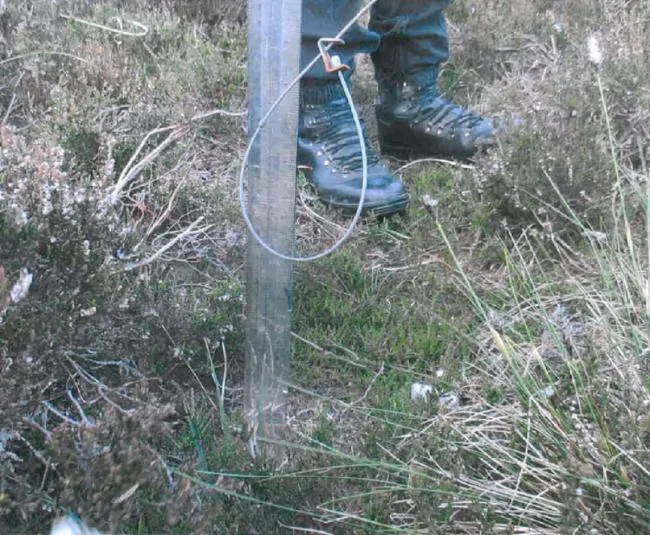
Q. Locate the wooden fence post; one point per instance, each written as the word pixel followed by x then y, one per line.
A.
pixel 273 62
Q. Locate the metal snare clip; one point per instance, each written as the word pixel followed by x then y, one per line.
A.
pixel 332 62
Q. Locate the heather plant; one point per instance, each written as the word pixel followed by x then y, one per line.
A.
pixel 37 190
pixel 97 231
pixel 557 133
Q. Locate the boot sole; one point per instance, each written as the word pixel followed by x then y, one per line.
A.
pixel 395 207
pixel 402 152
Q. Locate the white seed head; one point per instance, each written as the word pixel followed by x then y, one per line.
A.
pixel 448 401
pixel 71 526
pixel 595 54
pixel 421 391
pixel 21 288
pixel 429 201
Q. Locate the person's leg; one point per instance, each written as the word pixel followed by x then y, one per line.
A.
pixel 326 18
pixel 328 146
pixel 412 117
pixel 414 40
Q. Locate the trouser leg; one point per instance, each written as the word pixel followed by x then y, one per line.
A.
pixel 413 119
pixel 414 39
pixel 326 18
pixel 406 36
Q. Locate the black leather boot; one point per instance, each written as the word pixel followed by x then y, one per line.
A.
pixel 414 120
pixel 329 153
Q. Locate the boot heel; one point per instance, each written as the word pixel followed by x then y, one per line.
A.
pixel 400 152
pixel 395 143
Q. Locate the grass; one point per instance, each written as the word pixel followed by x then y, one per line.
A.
pixel 521 297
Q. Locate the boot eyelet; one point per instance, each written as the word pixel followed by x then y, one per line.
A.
pixel 439 131
pixel 319 153
pixel 326 163
pixel 428 129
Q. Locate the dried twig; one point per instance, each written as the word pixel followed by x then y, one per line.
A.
pixel 434 160
pixel 61 415
pixel 182 235
pixel 132 170
pixel 201 385
pixel 9 109
pixel 296 529
pixel 154 225
pixel 86 422
pixel 33 423
pixel 143 29
pixel 374 379
pixel 42 53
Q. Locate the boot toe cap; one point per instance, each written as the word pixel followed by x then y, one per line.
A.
pixel 384 194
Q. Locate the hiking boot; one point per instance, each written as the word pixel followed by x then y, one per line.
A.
pixel 329 153
pixel 414 120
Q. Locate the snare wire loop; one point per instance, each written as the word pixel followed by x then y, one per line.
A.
pixel 333 64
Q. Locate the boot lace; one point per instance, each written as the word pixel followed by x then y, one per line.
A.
pixel 442 113
pixel 341 141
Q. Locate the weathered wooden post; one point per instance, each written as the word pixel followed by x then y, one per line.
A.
pixel 273 62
